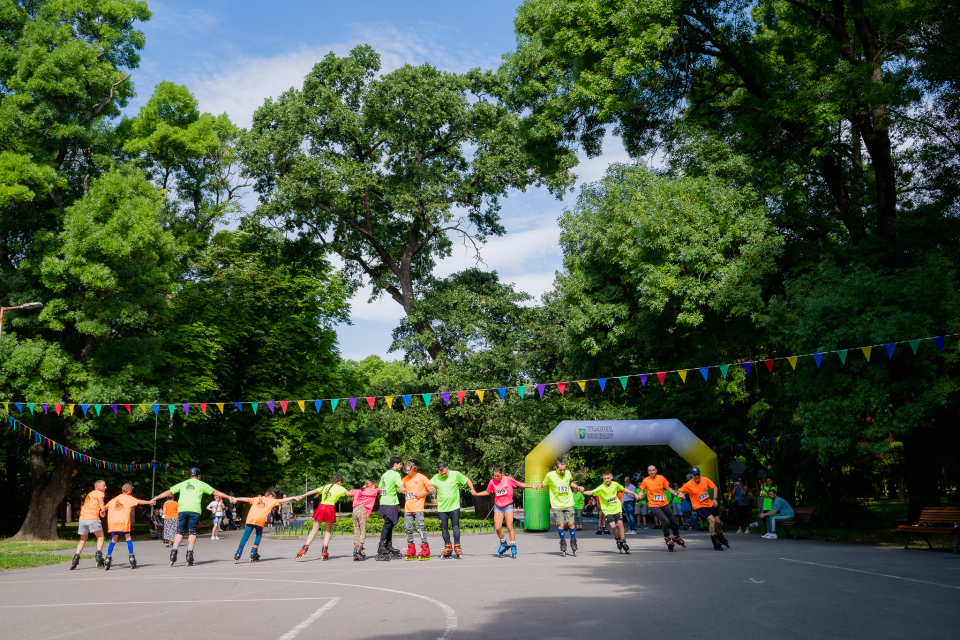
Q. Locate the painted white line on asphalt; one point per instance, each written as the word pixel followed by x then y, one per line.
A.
pixel 882 575
pixel 83 604
pixel 290 635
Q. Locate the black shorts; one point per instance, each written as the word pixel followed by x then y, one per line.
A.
pixel 616 517
pixel 390 512
pixel 706 512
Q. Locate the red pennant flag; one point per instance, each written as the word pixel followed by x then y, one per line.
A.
pixel 203 407
pixel 57 407
pixel 460 395
pixel 769 363
pixel 562 386
pixel 662 376
pixel 371 401
pixel 127 407
pixel 283 405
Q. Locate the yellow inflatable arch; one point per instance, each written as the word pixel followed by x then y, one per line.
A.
pixel 605 433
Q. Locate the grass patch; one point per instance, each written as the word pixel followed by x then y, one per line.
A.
pixel 11 561
pixel 35 546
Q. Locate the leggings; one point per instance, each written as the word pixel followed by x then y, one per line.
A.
pixel 246 535
pixel 414 519
pixel 454 519
pixel 665 514
pixel 743 516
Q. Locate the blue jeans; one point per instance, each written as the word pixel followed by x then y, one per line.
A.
pixel 188 522
pixel 631 518
pixel 246 535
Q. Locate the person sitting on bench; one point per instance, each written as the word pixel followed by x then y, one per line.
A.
pixel 779 510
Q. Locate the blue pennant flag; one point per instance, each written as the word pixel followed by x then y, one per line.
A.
pixel 890 346
pixel 817 357
pixel 406 401
pixel 19 406
pixel 156 409
pixel 502 391
pixel 316 405
pixel 239 406
pixel 704 371
pixel 603 384
pixel 83 408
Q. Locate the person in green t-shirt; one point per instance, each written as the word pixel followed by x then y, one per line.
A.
pixel 391 483
pixel 578 510
pixel 764 501
pixel 611 506
pixel 326 513
pixel 191 492
pixel 561 489
pixel 446 486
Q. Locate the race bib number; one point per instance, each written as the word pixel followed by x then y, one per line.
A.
pixel 612 500
pixel 563 489
pixel 410 496
pixel 500 492
pixel 704 497
pixel 659 498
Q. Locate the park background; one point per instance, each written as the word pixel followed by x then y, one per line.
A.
pixel 198 232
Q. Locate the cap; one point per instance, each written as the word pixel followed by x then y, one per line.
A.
pixel 695 471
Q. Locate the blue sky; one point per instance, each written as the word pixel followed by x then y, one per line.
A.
pixel 232 55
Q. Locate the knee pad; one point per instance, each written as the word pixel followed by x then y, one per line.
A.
pixel 193 532
pixel 182 532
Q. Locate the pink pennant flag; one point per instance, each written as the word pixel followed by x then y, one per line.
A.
pixel 371 401
pixel 127 407
pixel 562 386
pixel 662 376
pixel 283 406
pixel 203 407
pixel 460 395
pixel 58 407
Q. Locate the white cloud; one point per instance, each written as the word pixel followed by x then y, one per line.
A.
pixel 165 17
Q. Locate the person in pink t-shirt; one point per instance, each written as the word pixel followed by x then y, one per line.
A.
pixel 502 488
pixel 363 501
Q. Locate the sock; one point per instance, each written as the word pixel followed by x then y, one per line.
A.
pixel 130 547
pixel 254 548
pixel 110 548
pixel 175 546
pixel 189 548
pixel 573 534
pixel 560 531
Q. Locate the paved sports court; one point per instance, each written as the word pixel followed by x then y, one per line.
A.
pixel 758 589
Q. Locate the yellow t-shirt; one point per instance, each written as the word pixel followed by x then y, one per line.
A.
pixel 330 493
pixel 609 502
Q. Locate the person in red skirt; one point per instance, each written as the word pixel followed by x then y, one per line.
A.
pixel 326 513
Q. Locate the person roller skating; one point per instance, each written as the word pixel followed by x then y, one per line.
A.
pixel 447 485
pixel 502 487
pixel 389 486
pixel 612 508
pixel 560 486
pixel 698 489
pixel 326 512
pixel 363 501
pixel 191 492
pixel 659 496
pixel 118 522
pixel 260 508
pixel 415 488
pixel 89 522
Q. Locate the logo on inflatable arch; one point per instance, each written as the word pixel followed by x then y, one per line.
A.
pixel 595 432
pixel 581 433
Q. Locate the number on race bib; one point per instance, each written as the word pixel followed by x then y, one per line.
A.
pixel 704 497
pixel 563 489
pixel 612 500
pixel 659 498
pixel 501 492
pixel 410 496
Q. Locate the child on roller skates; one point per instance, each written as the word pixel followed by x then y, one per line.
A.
pixel 260 508
pixel 415 488
pixel 118 523
pixel 363 501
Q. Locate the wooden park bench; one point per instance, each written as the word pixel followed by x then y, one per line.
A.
pixel 930 522
pixel 801 521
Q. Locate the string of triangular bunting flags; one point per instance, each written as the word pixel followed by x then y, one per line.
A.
pixel 67 452
pixel 521 390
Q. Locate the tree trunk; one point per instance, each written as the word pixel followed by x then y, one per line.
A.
pixel 49 492
pixel 920 475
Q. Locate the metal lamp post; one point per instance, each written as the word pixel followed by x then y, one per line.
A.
pixel 27 305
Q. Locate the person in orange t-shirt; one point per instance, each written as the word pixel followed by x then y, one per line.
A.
pixel 415 488
pixel 698 489
pixel 118 522
pixel 171 521
pixel 89 522
pixel 657 488
pixel 260 508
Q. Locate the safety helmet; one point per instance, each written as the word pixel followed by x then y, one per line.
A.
pixel 194 471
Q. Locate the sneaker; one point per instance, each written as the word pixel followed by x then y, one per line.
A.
pixel 766 535
pixel 771 536
pixel 632 532
pixel 754 524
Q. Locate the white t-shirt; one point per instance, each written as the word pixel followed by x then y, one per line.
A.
pixel 217 508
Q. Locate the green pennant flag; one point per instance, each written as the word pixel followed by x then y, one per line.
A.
pixel 31 406
pixel 426 398
pixel 623 382
pixel 723 370
pixel 843 356
pixel 171 408
pixel 522 390
pixel 98 407
pixel 913 345
pixel 254 405
pixel 333 404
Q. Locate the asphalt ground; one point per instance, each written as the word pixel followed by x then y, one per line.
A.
pixel 756 589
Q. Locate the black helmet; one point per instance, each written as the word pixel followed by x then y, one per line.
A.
pixel 194 472
pixel 694 471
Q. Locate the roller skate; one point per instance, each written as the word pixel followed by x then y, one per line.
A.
pixel 619 545
pixel 447 552
pixel 411 552
pixel 189 558
pixel 302 552
pixel 75 561
pixel 133 561
pixel 457 551
pixel 716 543
pixel 363 556
pixel 599 531
pixel 99 558
pixel 503 547
pixel 173 557
pixel 513 550
pixel 723 540
pixel 573 547
pixel 424 552
pixel 324 554
pixel 563 548
pixel 626 547
pixel 236 556
pixel 356 554
pixel 680 541
pixel 670 545
pixel 396 554
pixel 254 555
pixel 383 553
pixel 107 563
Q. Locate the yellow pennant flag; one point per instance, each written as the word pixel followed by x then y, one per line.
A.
pixel 683 374
pixel 389 400
pixel 143 408
pixel 71 408
pixel 220 406
pixel 480 394
pixel 866 352
pixel 6 406
pixel 583 385
pixel 793 361
pixel 300 404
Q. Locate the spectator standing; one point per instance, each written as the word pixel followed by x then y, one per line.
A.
pixel 216 509
pixel 286 512
pixel 741 501
pixel 779 510
pixel 629 500
pixel 170 519
pixel 578 511
pixel 763 499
